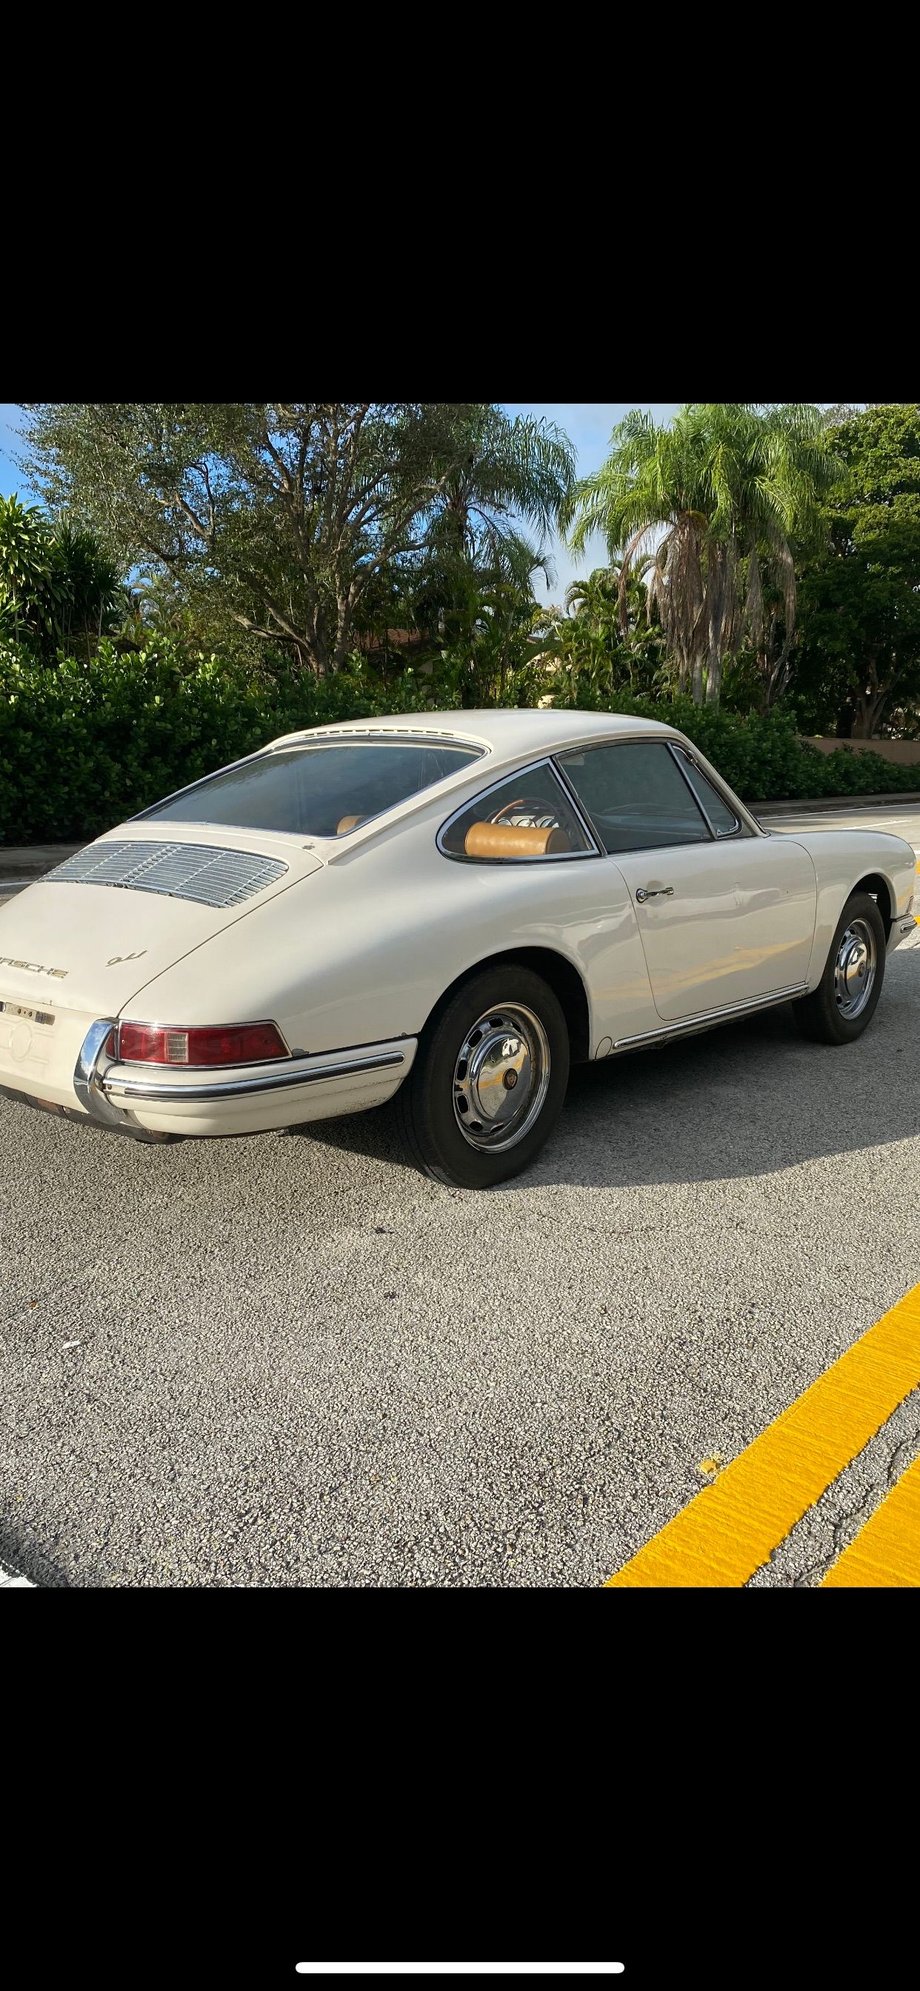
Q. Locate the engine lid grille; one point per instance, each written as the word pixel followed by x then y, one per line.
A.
pixel 203 872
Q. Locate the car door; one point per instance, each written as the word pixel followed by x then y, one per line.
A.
pixel 725 916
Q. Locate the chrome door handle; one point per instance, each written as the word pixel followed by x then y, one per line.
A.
pixel 654 892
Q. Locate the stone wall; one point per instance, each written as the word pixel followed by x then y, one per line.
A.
pixel 903 752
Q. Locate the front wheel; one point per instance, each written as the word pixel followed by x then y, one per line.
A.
pixel 844 1001
pixel 489 1079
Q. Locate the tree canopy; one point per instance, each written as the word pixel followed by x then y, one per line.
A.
pixel 57 589
pixel 859 659
pixel 281 519
pixel 710 506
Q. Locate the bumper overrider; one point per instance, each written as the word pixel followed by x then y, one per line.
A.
pixel 901 928
pixel 159 1104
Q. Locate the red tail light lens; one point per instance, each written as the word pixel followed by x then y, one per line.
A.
pixel 216 1044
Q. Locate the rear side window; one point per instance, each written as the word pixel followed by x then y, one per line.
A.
pixel 316 790
pixel 635 796
pixel 526 818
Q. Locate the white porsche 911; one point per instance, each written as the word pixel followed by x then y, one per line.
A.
pixel 450 908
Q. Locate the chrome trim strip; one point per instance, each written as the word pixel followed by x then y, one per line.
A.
pixel 546 762
pixel 130 1088
pixel 681 753
pixel 677 754
pixel 577 805
pixel 89 1075
pixel 704 1016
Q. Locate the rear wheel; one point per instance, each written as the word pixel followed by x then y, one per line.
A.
pixel 489 1079
pixel 844 1001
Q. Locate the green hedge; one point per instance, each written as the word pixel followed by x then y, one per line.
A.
pixel 765 760
pixel 82 747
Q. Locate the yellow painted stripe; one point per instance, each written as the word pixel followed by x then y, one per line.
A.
pixel 886 1552
pixel 730 1528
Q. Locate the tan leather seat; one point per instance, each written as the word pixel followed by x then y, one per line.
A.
pixel 507 840
pixel 348 823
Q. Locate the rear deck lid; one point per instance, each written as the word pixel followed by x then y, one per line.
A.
pixel 104 923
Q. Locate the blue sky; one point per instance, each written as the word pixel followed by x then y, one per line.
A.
pixel 587 422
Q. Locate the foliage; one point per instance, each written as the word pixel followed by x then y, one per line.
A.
pixel 859 659
pixel 281 519
pixel 709 506
pixel 56 587
pixel 82 748
pixel 584 651
pixel 762 756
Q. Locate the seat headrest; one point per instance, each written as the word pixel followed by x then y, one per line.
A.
pixel 348 823
pixel 508 840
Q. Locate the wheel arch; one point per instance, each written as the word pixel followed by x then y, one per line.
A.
pixel 882 891
pixel 556 969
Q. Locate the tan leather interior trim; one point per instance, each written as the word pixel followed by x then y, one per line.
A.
pixel 505 840
pixel 348 823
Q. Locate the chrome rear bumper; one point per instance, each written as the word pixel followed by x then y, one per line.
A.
pixel 306 1073
pixel 106 1090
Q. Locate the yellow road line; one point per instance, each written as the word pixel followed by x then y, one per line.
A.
pixel 886 1552
pixel 730 1528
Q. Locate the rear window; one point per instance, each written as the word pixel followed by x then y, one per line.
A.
pixel 315 790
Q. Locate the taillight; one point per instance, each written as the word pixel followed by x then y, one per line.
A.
pixel 214 1044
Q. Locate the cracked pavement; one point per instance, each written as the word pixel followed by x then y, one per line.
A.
pixel 802 1561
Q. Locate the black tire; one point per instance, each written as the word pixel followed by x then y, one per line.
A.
pixel 822 1015
pixel 526 1012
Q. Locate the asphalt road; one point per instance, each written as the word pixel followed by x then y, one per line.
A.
pixel 293 1360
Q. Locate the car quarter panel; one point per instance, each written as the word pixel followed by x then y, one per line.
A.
pixel 364 951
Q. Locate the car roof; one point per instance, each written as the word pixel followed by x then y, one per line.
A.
pixel 503 731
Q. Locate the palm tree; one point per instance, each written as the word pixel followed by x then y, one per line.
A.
pixel 501 486
pixel 506 474
pixel 710 505
pixel 595 595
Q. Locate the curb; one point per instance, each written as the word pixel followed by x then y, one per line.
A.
pixel 807 805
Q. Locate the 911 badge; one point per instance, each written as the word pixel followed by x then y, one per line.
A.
pixel 114 959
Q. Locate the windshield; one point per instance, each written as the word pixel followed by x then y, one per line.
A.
pixel 315 790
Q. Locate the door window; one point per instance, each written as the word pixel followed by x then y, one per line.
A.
pixel 635 795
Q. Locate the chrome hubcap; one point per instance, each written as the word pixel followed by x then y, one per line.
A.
pixel 854 968
pixel 501 1077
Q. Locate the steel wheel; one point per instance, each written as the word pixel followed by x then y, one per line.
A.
pixel 489 1077
pixel 844 1002
pixel 501 1077
pixel 854 968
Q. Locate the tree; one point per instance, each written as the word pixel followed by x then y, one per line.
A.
pixel 279 519
pixel 57 589
pixel 26 579
pixel 711 505
pixel 860 653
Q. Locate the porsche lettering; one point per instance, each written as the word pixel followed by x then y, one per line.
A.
pixel 33 967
